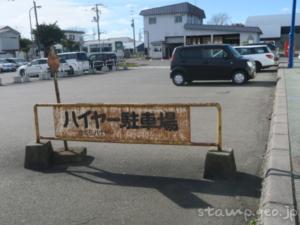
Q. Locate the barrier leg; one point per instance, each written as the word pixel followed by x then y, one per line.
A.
pixel 38 155
pixel 220 164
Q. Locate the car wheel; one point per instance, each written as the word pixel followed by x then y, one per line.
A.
pixel 239 78
pixel 178 79
pixel 22 73
pixel 71 70
pixel 258 66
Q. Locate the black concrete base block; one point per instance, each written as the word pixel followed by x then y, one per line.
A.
pixel 220 165
pixel 73 155
pixel 38 155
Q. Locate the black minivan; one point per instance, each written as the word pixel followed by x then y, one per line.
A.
pixel 210 62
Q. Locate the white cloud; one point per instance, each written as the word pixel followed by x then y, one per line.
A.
pixel 118 33
pixel 67 13
pixel 124 21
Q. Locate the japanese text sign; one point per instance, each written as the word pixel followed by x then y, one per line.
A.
pixel 123 123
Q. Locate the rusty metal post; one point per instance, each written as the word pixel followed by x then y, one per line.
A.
pixel 219 127
pixel 53 63
pixel 36 123
pixel 58 100
pixel 57 93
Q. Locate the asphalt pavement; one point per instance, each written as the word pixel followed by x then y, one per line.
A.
pixel 134 184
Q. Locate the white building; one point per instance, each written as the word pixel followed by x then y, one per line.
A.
pixel 74 35
pixel 275 27
pixel 9 40
pixel 182 24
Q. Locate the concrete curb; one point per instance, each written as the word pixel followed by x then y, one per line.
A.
pixel 277 193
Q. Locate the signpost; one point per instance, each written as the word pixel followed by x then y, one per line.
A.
pixel 53 62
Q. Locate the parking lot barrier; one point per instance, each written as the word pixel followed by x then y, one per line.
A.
pixel 159 124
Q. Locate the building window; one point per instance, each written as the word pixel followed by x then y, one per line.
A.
pixel 194 20
pixel 178 19
pixel 152 20
pixel 72 37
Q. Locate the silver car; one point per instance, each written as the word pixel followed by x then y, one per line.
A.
pixel 6 66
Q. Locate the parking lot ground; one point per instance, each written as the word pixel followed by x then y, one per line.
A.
pixel 134 184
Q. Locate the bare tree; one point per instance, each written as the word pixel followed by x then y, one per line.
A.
pixel 220 19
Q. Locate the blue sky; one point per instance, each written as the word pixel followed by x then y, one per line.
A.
pixel 116 14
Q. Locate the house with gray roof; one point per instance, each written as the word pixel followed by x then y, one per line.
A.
pixel 168 27
pixel 9 40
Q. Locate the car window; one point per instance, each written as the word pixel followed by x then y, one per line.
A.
pixel 71 56
pixel 260 50
pixel 81 57
pixel 20 60
pixel 43 61
pixel 219 53
pixel 62 57
pixel 214 53
pixel 35 62
pixel 92 57
pixel 62 61
pixel 244 51
pixel 190 53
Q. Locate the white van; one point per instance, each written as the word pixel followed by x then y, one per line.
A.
pixel 78 61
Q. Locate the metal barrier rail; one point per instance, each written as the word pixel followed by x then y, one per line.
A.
pixel 218 143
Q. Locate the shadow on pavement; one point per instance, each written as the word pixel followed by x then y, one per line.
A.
pixel 251 83
pixel 183 192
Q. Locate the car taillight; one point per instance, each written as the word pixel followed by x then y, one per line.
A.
pixel 270 56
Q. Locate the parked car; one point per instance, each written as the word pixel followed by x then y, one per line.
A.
pixel 19 62
pixel 78 61
pixel 6 66
pixel 38 66
pixel 98 60
pixel 210 62
pixel 271 46
pixel 261 54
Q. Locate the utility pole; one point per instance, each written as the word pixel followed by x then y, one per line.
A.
pixel 97 20
pixel 133 28
pixel 292 36
pixel 37 27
